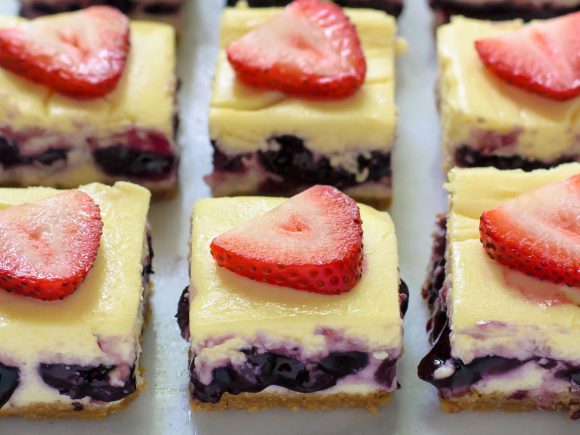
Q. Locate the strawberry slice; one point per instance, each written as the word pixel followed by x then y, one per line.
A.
pixel 81 54
pixel 543 57
pixel 47 247
pixel 310 49
pixel 538 233
pixel 311 242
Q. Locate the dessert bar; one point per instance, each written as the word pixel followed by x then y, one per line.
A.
pixel 486 120
pixel 74 355
pixel 504 339
pixel 51 138
pixel 393 7
pixel 256 343
pixel 168 11
pixel 273 143
pixel 502 10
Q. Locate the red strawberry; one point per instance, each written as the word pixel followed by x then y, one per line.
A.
pixel 538 233
pixel 310 49
pixel 47 247
pixel 82 54
pixel 311 242
pixel 543 58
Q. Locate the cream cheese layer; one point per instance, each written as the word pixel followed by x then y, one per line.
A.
pixel 225 305
pixel 104 309
pixel 474 102
pixel 242 118
pixel 494 310
pixel 143 98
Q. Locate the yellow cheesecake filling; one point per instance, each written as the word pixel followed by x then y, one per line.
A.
pixel 244 119
pixel 483 112
pixel 101 322
pixel 494 310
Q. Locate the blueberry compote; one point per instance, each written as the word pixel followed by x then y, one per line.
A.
pixel 9 380
pixel 78 381
pixel 464 376
pixel 265 369
pixel 121 161
pixel 465 157
pixel 10 156
pixel 297 166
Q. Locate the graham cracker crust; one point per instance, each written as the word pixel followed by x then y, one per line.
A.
pixel 258 401
pixel 474 401
pixel 65 411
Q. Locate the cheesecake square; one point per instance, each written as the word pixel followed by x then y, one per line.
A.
pixel 270 143
pixel 496 10
pixel 488 122
pixel 80 357
pixel 501 339
pixel 392 7
pixel 50 139
pixel 257 346
pixel 168 11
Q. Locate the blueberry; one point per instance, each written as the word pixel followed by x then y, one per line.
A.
pixel 122 161
pixel 78 381
pixel 466 157
pixel 182 315
pixel 9 381
pixel 341 364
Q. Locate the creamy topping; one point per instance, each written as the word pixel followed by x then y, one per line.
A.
pixel 494 310
pixel 143 97
pixel 475 102
pixel 224 304
pixel 242 119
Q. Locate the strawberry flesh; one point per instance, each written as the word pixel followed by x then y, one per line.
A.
pixel 311 242
pixel 48 247
pixel 81 54
pixel 543 57
pixel 310 49
pixel 538 233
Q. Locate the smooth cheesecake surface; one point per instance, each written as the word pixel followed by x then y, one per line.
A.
pixel 243 118
pixel 102 319
pixel 143 98
pixel 494 310
pixel 474 100
pixel 224 304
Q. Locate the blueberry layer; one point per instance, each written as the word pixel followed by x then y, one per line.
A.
pixel 9 381
pixel 464 376
pixel 120 161
pixel 466 157
pixel 293 165
pixel 10 156
pixel 78 381
pixel 507 10
pixel 393 7
pixel 40 7
pixel 265 369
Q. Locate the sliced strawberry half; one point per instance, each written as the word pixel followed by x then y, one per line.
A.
pixel 538 233
pixel 311 242
pixel 543 58
pixel 48 247
pixel 310 49
pixel 82 54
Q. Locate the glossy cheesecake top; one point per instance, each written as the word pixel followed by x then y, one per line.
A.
pixel 243 118
pixel 495 310
pixel 143 98
pixel 474 100
pixel 228 305
pixel 101 320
